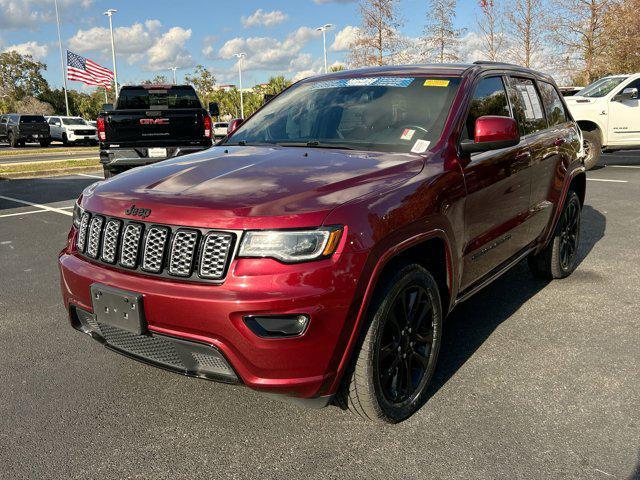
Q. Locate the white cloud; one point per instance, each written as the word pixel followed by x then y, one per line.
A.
pixel 31 14
pixel 267 19
pixel 137 43
pixel 344 39
pixel 170 51
pixel 36 50
pixel 271 54
pixel 304 74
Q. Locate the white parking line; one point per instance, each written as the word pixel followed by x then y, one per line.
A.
pixel 623 166
pixel 29 212
pixel 606 180
pixel 37 205
pixel 89 176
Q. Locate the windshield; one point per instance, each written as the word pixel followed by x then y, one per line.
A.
pixel 32 119
pixel 139 98
pixel 73 121
pixel 398 114
pixel 601 87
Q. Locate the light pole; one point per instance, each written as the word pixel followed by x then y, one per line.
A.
pixel 324 29
pixel 240 56
pixel 64 74
pixel 109 13
pixel 173 69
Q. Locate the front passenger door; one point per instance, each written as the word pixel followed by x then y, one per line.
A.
pixel 624 118
pixel 498 189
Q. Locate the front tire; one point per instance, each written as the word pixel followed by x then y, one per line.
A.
pixel 560 257
pixel 390 372
pixel 592 148
pixel 13 141
pixel 65 140
pixel 45 143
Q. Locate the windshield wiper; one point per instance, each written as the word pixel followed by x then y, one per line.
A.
pixel 316 144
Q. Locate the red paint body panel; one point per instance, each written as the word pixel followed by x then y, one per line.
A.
pixel 484 208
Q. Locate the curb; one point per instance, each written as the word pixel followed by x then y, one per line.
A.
pixel 50 173
pixel 36 162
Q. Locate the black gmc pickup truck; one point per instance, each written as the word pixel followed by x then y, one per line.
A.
pixel 18 129
pixel 151 123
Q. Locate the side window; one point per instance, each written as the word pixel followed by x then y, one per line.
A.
pixel 489 98
pixel 527 105
pixel 552 104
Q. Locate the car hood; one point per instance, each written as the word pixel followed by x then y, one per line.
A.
pixel 251 187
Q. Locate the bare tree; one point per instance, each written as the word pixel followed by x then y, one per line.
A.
pixel 579 30
pixel 377 40
pixel 491 29
pixel 441 41
pixel 527 25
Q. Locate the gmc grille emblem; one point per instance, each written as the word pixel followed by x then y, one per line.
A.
pixel 138 212
pixel 154 121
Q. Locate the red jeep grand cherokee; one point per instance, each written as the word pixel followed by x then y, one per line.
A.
pixel 317 250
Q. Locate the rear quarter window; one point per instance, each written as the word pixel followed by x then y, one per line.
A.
pixel 553 105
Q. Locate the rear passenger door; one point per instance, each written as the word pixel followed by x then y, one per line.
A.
pixel 498 188
pixel 546 128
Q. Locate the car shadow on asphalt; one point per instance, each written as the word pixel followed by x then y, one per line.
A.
pixel 472 322
pixel 43 190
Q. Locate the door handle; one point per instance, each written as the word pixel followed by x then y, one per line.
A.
pixel 559 141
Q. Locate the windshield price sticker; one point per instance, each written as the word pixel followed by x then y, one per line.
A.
pixel 420 146
pixel 436 83
pixel 400 82
pixel 407 134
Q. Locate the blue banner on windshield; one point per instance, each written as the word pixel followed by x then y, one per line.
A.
pixel 401 82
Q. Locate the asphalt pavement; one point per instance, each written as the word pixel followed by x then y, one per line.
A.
pixel 536 379
pixel 52 153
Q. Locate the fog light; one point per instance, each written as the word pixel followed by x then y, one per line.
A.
pixel 277 326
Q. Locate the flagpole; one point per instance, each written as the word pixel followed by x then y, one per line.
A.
pixel 64 74
pixel 109 13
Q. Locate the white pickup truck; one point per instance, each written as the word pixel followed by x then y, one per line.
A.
pixel 608 112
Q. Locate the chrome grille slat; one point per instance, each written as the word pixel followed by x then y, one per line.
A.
pixel 183 248
pixel 170 251
pixel 130 245
pixel 154 246
pixel 110 241
pixel 82 231
pixel 214 254
pixel 95 232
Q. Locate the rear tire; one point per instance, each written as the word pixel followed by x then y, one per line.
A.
pixel 392 368
pixel 560 257
pixel 592 148
pixel 108 173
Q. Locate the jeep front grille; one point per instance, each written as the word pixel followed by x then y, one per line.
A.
pixel 165 250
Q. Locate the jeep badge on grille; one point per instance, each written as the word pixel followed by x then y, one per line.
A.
pixel 138 212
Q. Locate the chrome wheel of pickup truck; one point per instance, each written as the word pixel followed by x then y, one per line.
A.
pixel 592 149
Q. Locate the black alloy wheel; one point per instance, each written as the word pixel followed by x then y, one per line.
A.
pixel 569 235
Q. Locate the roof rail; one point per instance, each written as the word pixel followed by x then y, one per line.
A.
pixel 487 62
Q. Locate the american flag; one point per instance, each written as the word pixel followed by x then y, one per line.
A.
pixel 87 71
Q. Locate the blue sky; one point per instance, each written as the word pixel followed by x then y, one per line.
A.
pixel 278 36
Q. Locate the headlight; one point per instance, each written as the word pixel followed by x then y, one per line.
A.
pixel 78 211
pixel 291 246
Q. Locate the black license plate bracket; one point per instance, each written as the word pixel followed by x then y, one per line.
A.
pixel 118 308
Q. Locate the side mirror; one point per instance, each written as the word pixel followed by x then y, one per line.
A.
pixel 492 133
pixel 233 125
pixel 214 109
pixel 627 94
pixel 107 107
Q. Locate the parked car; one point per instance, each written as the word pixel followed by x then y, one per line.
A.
pixel 316 252
pixel 72 130
pixel 152 123
pixel 608 112
pixel 18 129
pixel 220 130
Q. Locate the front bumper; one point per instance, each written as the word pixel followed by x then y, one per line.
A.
pixel 213 315
pixel 79 138
pixel 136 156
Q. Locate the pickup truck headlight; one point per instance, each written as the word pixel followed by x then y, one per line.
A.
pixel 291 246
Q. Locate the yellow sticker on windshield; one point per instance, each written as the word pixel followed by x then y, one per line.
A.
pixel 436 83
